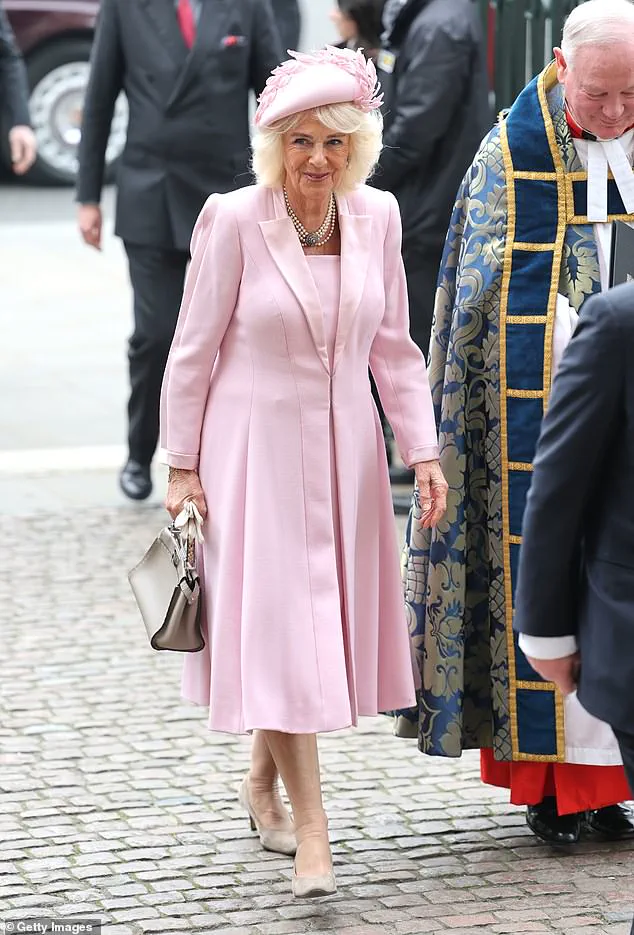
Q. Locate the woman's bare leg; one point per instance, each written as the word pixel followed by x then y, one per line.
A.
pixel 263 786
pixel 297 761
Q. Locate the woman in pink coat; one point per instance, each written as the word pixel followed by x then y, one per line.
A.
pixel 296 285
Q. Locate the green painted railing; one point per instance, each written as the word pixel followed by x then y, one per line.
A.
pixel 520 36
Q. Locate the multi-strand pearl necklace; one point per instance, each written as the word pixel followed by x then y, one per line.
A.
pixel 323 234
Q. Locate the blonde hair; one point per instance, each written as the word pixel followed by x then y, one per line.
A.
pixel 597 22
pixel 366 141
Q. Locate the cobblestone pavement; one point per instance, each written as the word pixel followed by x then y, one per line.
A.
pixel 118 803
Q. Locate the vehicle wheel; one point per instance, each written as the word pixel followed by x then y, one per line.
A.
pixel 58 76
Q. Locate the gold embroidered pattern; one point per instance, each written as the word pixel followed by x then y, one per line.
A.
pixel 534 247
pixel 525 394
pixel 547 77
pixel 506 531
pixel 528 319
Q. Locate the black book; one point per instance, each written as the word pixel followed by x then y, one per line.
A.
pixel 622 259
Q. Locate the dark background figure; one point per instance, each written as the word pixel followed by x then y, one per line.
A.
pixel 432 70
pixel 359 25
pixel 186 67
pixel 289 23
pixel 576 579
pixel 14 101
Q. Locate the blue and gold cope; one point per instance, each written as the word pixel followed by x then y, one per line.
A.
pixel 518 236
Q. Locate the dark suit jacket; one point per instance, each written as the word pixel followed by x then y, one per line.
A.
pixel 14 87
pixel 188 134
pixel 577 557
pixel 436 113
pixel 289 24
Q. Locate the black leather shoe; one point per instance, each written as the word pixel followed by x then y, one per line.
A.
pixel 544 821
pixel 135 480
pixel 401 475
pixel 614 822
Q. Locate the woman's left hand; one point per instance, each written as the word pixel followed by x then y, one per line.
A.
pixel 433 490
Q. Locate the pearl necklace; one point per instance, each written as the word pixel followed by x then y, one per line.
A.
pixel 323 234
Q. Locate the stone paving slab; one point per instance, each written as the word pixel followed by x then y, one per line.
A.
pixel 118 803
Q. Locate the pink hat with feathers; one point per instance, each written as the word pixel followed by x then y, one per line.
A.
pixel 306 81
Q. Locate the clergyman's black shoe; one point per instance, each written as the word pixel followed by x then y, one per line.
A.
pixel 544 821
pixel 614 822
pixel 135 480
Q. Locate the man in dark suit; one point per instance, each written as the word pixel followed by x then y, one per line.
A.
pixel 574 606
pixel 14 100
pixel 186 67
pixel 432 70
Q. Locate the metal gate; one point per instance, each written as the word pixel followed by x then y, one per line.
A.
pixel 520 35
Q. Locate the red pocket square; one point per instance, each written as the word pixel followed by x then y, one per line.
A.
pixel 230 41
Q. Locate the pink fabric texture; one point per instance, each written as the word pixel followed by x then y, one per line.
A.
pixel 288 445
pixel 326 272
pixel 306 81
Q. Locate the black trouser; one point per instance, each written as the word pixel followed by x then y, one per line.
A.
pixel 383 418
pixel 157 276
pixel 421 270
pixel 626 743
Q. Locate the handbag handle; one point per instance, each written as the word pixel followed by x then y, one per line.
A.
pixel 188 525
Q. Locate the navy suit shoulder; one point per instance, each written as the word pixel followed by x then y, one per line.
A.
pixel 620 301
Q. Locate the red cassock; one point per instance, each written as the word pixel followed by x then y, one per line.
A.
pixel 577 788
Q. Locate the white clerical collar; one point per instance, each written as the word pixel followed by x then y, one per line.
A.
pixel 598 156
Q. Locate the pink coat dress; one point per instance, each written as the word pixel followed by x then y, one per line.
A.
pixel 304 612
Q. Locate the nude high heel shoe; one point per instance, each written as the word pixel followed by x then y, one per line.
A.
pixel 271 839
pixel 313 887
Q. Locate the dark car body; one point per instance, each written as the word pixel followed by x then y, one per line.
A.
pixel 55 37
pixel 39 22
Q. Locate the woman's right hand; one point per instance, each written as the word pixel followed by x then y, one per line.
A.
pixel 184 485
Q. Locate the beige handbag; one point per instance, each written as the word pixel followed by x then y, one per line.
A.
pixel 166 585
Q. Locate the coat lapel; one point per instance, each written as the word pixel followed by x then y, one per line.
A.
pixel 285 249
pixel 356 248
pixel 207 24
pixel 162 15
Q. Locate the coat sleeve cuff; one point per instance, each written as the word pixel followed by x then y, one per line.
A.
pixel 548 647
pixel 177 460
pixel 428 453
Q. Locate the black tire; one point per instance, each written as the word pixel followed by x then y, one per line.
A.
pixel 56 163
